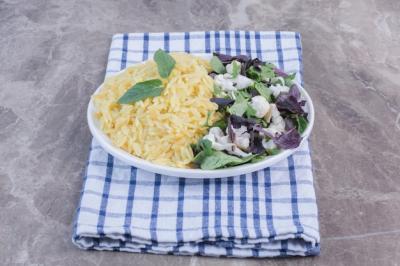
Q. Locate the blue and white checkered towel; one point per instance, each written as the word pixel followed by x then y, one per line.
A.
pixel 268 213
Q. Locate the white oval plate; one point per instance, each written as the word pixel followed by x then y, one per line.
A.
pixel 130 159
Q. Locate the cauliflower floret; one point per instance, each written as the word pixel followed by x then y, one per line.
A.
pixel 238 152
pixel 242 82
pixel 242 137
pixel 225 84
pixel 229 67
pixel 268 145
pixel 261 105
pixel 216 131
pixel 228 83
pixel 278 88
pixel 221 142
pixel 277 122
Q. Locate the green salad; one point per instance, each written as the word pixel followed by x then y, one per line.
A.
pixel 263 113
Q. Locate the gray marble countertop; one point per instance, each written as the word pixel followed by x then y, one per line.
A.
pixel 53 55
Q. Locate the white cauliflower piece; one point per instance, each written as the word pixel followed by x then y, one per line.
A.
pixel 276 89
pixel 277 125
pixel 241 138
pixel 242 82
pixel 261 105
pixel 221 142
pixel 229 67
pixel 225 84
pixel 238 152
pixel 268 145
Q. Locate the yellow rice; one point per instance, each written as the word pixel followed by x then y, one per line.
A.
pixel 159 129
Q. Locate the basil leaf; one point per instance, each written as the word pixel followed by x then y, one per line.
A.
pixel 141 91
pixel 217 65
pixel 205 148
pixel 220 159
pixel 263 91
pixel 301 124
pixel 165 63
pixel 235 69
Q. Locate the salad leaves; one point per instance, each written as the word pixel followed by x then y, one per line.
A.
pixel 239 107
pixel 288 140
pixel 290 101
pixel 210 159
pixel 259 120
pixel 263 90
pixel 219 159
pixel 235 69
pixel 217 65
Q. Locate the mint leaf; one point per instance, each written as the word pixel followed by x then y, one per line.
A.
pixel 263 91
pixel 165 63
pixel 235 69
pixel 141 91
pixel 217 65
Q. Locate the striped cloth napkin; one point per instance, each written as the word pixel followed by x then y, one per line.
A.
pixel 268 213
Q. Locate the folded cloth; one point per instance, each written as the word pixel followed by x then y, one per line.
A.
pixel 268 213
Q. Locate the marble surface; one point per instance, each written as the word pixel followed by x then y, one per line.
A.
pixel 53 56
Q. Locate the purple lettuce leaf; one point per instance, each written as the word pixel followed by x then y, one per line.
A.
pixel 212 74
pixel 287 102
pixel 227 59
pixel 222 101
pixel 289 123
pixel 230 132
pixel 279 72
pixel 238 121
pixel 295 92
pixel 288 140
pixel 256 146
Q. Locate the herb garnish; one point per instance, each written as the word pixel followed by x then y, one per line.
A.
pixel 141 91
pixel 165 63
